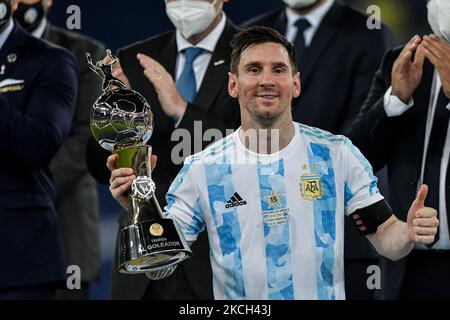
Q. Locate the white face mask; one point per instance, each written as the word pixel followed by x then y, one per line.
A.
pixel 439 18
pixel 191 16
pixel 299 3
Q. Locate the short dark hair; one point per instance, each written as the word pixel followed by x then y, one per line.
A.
pixel 257 35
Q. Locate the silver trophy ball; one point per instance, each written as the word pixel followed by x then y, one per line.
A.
pixel 121 118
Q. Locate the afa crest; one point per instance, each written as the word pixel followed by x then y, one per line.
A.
pixel 311 187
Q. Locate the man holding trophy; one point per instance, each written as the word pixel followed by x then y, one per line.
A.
pixel 284 240
pixel 183 75
pixel 122 122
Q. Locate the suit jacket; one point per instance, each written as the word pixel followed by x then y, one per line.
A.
pixel 215 109
pixel 336 73
pixel 397 142
pixel 76 191
pixel 35 118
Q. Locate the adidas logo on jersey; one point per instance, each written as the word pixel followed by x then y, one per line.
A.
pixel 235 201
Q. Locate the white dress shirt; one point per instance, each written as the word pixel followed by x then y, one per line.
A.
pixel 3 37
pixel 202 61
pixel 5 34
pixel 314 18
pixel 393 107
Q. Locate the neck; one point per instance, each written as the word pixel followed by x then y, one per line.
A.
pixel 304 11
pixel 264 137
pixel 196 38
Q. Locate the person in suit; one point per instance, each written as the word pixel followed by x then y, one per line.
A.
pixel 38 85
pixel 76 192
pixel 338 54
pixel 404 124
pixel 156 68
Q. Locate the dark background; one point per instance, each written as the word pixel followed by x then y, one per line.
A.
pixel 118 23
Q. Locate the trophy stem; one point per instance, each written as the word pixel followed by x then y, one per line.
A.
pixel 143 203
pixel 122 122
pixel 142 210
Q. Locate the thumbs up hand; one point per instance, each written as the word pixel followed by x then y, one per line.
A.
pixel 422 221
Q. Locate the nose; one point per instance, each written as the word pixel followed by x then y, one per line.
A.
pixel 266 79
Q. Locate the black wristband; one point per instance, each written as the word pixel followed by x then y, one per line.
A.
pixel 369 218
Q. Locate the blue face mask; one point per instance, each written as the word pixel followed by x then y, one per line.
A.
pixel 5 12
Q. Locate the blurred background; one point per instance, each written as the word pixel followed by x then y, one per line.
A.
pixel 118 23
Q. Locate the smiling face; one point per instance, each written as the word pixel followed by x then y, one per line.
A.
pixel 265 84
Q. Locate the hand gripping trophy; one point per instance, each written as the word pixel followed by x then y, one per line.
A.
pixel 122 122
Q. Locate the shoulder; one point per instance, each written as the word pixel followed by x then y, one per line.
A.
pixel 319 140
pixel 70 39
pixel 218 152
pixel 40 50
pixel 265 19
pixel 356 21
pixel 56 54
pixel 317 135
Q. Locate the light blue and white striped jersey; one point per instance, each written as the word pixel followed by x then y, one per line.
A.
pixel 275 222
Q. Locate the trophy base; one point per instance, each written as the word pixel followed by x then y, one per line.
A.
pixel 151 245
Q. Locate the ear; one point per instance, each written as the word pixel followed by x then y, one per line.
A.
pixel 297 85
pixel 232 85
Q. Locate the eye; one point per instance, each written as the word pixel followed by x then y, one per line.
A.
pixel 253 69
pixel 280 70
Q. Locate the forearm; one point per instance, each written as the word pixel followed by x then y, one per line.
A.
pixel 391 239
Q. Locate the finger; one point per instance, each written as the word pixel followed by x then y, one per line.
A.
pixel 119 181
pixel 422 231
pixel 111 162
pixel 435 48
pixel 416 39
pixel 421 195
pixel 433 58
pixel 403 60
pixel 153 160
pixel 420 57
pixel 440 43
pixel 426 222
pixel 122 190
pixel 107 60
pixel 151 64
pixel 117 71
pixel 146 61
pixel 426 213
pixel 117 173
pixel 424 239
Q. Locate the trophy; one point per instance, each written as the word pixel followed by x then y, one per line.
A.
pixel 122 122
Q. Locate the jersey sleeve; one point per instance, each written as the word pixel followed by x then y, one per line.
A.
pixel 183 203
pixel 360 183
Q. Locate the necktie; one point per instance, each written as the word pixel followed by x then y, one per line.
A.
pixel 186 84
pixel 302 24
pixel 434 154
